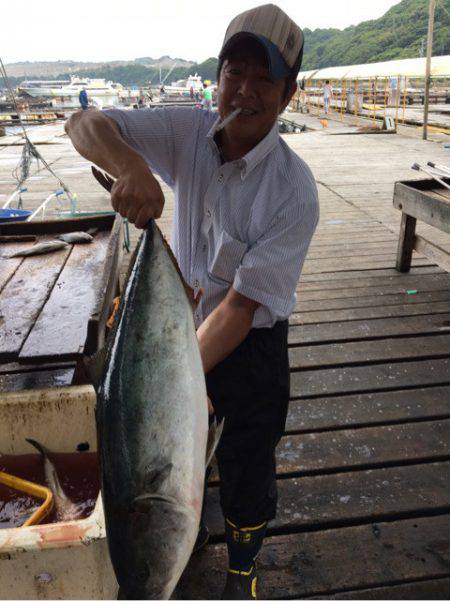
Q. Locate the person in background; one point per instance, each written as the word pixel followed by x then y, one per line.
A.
pixel 393 85
pixel 327 96
pixel 207 97
pixel 83 98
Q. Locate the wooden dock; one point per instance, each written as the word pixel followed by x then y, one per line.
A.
pixel 364 499
pixel 364 466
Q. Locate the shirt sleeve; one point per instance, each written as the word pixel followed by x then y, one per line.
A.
pixel 159 135
pixel 270 269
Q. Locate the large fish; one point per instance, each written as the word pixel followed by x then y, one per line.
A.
pixel 152 423
pixel 66 510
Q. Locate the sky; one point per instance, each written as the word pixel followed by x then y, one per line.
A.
pixel 104 30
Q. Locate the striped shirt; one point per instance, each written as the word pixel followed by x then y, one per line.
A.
pixel 245 223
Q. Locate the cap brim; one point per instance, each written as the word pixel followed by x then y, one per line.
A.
pixel 278 67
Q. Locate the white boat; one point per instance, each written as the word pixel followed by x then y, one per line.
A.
pixel 182 87
pixel 64 93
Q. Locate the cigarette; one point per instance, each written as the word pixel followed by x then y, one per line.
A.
pixel 227 120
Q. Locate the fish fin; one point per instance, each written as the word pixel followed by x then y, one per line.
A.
pixel 92 231
pixel 37 446
pixel 190 293
pixel 152 485
pixel 94 365
pixel 214 434
pixel 155 476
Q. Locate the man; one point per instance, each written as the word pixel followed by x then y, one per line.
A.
pixel 327 96
pixel 207 97
pixel 83 98
pixel 245 211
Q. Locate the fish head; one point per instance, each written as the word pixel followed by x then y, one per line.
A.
pixel 159 540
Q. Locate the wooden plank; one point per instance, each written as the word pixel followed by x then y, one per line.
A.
pixel 352 263
pixel 381 376
pixel 357 410
pixel 335 500
pixel 36 379
pixel 360 238
pixel 15 368
pixel 346 249
pixel 23 297
pixel 372 329
pixel 368 226
pixel 316 453
pixel 424 589
pixel 425 284
pixel 327 316
pixel 326 355
pixel 376 300
pixel 364 447
pixel 9 266
pixel 106 291
pixel 58 226
pixel 60 331
pixel 370 276
pixel 300 565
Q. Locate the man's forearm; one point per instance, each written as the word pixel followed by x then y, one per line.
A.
pixel 98 139
pixel 221 332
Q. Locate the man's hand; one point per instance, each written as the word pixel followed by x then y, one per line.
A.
pixel 137 195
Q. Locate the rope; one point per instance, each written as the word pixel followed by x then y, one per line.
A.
pixel 29 150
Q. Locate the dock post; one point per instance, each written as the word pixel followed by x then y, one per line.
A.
pixel 406 242
pixel 428 68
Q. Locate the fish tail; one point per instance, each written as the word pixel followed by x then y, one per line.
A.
pixel 37 446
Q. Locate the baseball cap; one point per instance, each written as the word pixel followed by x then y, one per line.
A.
pixel 281 38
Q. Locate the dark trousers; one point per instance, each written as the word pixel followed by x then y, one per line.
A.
pixel 250 389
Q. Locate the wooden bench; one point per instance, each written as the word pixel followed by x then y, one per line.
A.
pixel 428 201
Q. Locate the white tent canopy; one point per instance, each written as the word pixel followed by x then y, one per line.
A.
pixel 409 67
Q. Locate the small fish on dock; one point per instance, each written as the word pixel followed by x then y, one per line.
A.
pixel 66 510
pixel 40 249
pixel 76 238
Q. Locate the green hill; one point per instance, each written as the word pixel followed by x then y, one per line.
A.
pixel 400 33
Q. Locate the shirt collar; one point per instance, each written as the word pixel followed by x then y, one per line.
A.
pixel 248 162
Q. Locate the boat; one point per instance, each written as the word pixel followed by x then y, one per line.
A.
pixel 64 93
pixel 182 87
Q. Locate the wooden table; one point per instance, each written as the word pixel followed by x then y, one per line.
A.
pixel 54 307
pixel 428 201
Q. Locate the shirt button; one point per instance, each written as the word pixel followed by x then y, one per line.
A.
pixel 208 213
pixel 196 284
pixel 204 247
pixel 220 178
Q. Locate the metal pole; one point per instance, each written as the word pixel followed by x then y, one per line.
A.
pixel 428 67
pixel 397 101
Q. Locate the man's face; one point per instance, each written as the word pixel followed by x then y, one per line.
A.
pixel 245 83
